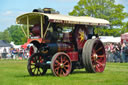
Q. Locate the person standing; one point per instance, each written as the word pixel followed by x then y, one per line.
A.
pixel 4 53
pixel 107 49
pixel 111 52
pixel 122 51
pixel 119 53
pixel 115 52
pixel 126 53
pixel 14 53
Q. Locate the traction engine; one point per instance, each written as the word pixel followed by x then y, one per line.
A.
pixel 62 43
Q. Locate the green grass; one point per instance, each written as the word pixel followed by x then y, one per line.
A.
pixel 15 73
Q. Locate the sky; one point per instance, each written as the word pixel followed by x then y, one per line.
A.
pixel 10 9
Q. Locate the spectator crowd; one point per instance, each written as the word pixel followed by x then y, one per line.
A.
pixel 116 52
pixel 15 53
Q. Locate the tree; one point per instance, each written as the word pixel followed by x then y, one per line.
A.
pixel 1 35
pixel 5 36
pixel 16 34
pixel 110 32
pixel 106 9
pixel 125 28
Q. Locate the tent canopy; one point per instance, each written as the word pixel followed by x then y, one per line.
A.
pixel 110 39
pixel 3 43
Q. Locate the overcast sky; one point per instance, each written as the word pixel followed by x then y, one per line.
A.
pixel 10 9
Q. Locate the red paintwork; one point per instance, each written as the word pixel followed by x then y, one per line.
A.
pixel 39 40
pixel 31 51
pixel 73 56
pixel 24 46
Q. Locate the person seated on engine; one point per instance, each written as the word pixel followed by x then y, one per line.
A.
pixel 48 36
pixel 54 36
pixel 55 33
pixel 51 35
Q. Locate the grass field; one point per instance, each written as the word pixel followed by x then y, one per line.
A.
pixel 15 73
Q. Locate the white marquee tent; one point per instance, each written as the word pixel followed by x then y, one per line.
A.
pixel 110 39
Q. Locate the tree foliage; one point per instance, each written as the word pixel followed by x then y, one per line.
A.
pixel 16 34
pixel 124 28
pixel 109 32
pixel 13 33
pixel 106 9
pixel 5 36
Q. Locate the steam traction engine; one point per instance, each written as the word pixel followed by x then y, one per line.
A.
pixel 62 43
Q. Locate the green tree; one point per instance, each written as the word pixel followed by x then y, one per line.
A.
pixel 106 9
pixel 124 28
pixel 16 34
pixel 110 32
pixel 1 35
pixel 5 36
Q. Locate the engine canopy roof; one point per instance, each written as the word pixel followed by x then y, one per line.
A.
pixel 34 18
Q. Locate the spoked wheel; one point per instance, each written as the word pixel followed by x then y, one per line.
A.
pixel 94 57
pixel 81 37
pixel 34 65
pixel 61 64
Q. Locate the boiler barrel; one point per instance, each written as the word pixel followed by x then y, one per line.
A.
pixel 60 47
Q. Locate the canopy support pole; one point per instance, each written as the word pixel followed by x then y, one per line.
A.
pixel 27 26
pixel 46 29
pixel 23 30
pixel 41 26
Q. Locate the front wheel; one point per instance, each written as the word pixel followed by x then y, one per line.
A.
pixel 94 56
pixel 61 64
pixel 34 65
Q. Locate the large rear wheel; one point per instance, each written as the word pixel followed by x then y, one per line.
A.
pixel 61 64
pixel 94 57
